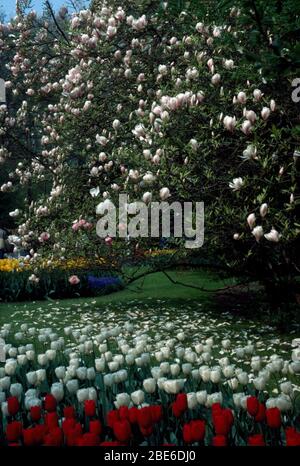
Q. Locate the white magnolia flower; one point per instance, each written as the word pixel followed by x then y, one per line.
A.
pixel 273 236
pixel 236 184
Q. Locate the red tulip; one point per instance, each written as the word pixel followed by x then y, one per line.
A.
pixel 176 410
pixel 156 413
pixel 51 420
pixel 219 441
pixel 29 437
pixel 292 437
pixel 252 405
pixel 187 433
pixel 90 408
pixel 112 417
pixel 197 430
pixel 261 413
pixel 146 431
pixel 229 417
pixel 133 415
pixel 35 413
pixel 124 413
pixel 144 416
pixel 13 405
pixel 216 408
pixel 13 431
pixel 221 424
pixel 95 427
pixel 273 416
pixel 181 401
pixel 54 438
pixel 40 431
pixel 69 412
pixel 68 425
pixel 256 440
pixel 110 444
pixel 50 403
pixel 89 440
pixel 122 431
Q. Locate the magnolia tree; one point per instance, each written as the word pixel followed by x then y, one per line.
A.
pixel 161 109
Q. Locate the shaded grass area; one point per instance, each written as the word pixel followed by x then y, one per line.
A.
pixel 155 290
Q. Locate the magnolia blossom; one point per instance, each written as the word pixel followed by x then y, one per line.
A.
pixel 251 220
pixel 273 236
pixel 258 232
pixel 74 280
pixel 265 113
pixel 229 122
pixel 236 184
pixel 263 210
pixel 164 193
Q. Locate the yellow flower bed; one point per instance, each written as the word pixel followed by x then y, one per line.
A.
pixel 17 265
pixel 10 265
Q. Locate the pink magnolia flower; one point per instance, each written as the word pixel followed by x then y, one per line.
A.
pixel 108 240
pixel 74 280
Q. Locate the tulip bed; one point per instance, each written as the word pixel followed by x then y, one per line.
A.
pixel 131 376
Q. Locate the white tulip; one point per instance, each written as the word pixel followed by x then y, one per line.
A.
pixel 72 386
pixel 31 377
pixel 243 378
pixel 41 375
pixel 100 365
pixel 215 375
pixel 22 359
pixel 175 369
pixel 83 395
pixel 81 373
pixel 108 380
pixel 10 366
pixel 173 386
pixel 259 383
pixel 186 368
pixel 226 344
pixel 60 372
pixel 92 393
pixel 228 371
pixel 149 385
pixel 42 359
pixel 192 400
pixel 122 399
pixel 201 397
pixel 216 397
pixel 57 390
pixel 16 389
pixel 237 397
pixel 138 397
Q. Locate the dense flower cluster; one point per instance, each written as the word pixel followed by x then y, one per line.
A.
pixel 141 107
pixel 112 383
